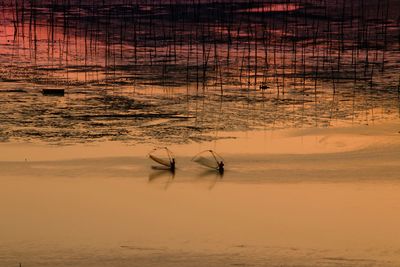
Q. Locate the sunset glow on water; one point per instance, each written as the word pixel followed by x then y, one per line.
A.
pixel 299 99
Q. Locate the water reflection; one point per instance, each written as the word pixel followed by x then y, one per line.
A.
pixel 211 177
pixel 165 176
pixel 201 68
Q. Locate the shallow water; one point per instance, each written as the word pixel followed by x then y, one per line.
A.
pixel 311 197
pixel 123 222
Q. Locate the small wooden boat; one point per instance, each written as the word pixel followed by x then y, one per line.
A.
pixel 53 92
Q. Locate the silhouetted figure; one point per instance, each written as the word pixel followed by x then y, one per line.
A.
pixel 221 167
pixel 172 167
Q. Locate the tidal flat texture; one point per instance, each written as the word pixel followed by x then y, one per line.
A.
pixel 301 98
pixel 178 71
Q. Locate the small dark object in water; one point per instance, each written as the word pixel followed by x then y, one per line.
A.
pixel 53 92
pixel 264 87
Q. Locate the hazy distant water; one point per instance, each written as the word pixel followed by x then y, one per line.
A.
pixel 102 205
pixel 183 71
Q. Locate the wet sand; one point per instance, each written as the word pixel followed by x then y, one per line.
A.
pixel 313 197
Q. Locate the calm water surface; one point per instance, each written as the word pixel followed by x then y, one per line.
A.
pixel 301 98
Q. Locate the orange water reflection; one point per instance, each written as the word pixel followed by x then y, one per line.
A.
pixel 274 8
pixel 311 195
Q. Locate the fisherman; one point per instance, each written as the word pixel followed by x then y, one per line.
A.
pixel 221 167
pixel 172 165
